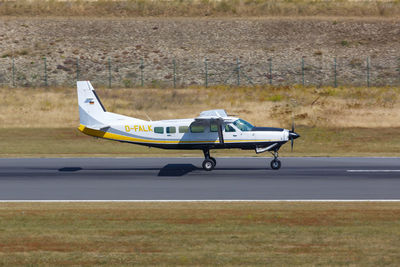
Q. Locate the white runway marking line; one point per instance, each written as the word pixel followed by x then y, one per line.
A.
pixel 199 201
pixel 373 170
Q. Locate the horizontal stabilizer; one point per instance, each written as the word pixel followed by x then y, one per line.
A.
pixel 98 127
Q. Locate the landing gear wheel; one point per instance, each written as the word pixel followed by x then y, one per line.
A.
pixel 208 165
pixel 276 164
pixel 214 160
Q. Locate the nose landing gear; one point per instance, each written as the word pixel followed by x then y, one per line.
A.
pixel 209 162
pixel 275 163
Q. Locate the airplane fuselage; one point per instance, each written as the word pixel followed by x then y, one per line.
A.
pixel 178 134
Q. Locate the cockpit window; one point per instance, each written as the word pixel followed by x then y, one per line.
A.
pixel 229 128
pixel 243 125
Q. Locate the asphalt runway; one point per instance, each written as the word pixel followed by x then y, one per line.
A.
pixel 184 179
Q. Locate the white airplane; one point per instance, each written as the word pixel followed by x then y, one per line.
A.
pixel 213 129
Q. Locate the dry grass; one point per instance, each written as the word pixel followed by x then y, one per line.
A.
pixel 343 107
pixel 332 121
pixel 134 8
pixel 365 234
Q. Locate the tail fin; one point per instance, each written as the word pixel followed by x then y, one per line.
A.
pixel 91 110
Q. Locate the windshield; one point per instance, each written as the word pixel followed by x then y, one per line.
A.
pixel 243 125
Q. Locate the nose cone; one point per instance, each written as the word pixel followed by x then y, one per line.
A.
pixel 293 135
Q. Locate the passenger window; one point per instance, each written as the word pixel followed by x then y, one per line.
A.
pixel 171 129
pixel 213 127
pixel 197 128
pixel 159 130
pixel 229 128
pixel 183 129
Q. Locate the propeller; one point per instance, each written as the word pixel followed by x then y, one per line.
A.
pixel 293 135
pixel 291 138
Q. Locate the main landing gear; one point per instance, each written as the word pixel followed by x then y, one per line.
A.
pixel 209 162
pixel 275 163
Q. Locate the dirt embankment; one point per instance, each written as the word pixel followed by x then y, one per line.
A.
pixel 158 41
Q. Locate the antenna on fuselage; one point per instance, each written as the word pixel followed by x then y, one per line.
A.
pixel 147 116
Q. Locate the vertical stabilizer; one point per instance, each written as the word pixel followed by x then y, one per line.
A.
pixel 91 110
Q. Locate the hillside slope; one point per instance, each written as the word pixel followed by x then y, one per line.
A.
pixel 158 41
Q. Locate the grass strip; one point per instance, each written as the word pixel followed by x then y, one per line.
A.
pixel 366 233
pixel 314 141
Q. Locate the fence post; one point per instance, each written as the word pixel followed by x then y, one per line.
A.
pixel 206 72
pixel 174 63
pixel 302 70
pixel 335 74
pixel 238 71
pixel 77 69
pixel 109 72
pixel 368 71
pixel 45 71
pixel 13 72
pixel 398 66
pixel 141 72
pixel 270 71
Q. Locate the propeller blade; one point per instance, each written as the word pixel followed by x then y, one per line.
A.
pixel 291 136
pixel 291 143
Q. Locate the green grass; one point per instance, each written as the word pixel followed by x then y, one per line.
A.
pixel 170 234
pixel 69 142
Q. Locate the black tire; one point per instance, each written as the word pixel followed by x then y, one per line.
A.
pixel 215 161
pixel 208 165
pixel 276 164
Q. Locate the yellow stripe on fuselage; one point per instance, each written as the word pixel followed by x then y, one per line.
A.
pixel 118 137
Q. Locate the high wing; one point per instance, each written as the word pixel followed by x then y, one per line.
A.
pixel 217 116
pixel 214 113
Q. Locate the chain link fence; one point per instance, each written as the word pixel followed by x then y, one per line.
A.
pixel 109 72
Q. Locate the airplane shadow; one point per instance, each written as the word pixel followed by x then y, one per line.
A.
pixel 177 169
pixel 167 170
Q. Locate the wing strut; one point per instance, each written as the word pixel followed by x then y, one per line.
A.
pixel 220 134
